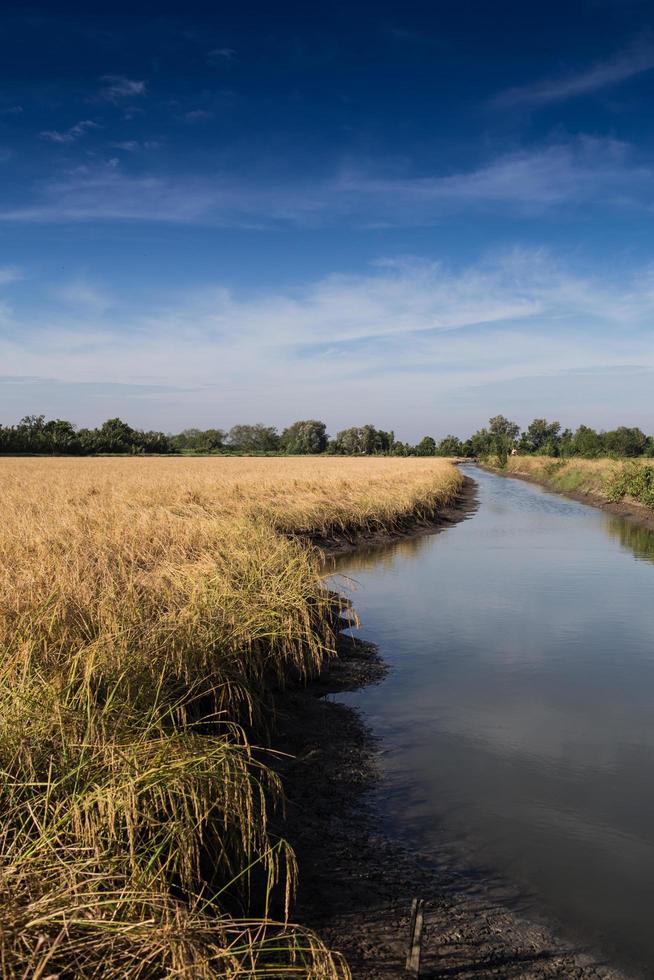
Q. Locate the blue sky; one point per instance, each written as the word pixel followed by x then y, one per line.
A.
pixel 412 214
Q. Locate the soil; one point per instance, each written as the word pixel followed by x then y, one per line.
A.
pixel 357 883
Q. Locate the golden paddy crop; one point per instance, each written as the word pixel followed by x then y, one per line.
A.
pixel 147 608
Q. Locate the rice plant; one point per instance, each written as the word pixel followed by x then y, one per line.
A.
pixel 148 611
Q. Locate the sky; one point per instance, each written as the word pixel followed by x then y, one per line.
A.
pixel 414 214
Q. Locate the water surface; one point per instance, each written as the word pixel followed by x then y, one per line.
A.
pixel 517 723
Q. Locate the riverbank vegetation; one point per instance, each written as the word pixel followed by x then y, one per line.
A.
pixel 610 480
pixel 545 438
pixel 150 608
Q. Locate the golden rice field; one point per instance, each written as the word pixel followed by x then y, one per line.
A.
pixel 148 608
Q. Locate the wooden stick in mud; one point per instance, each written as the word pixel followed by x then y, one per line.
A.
pixel 415 938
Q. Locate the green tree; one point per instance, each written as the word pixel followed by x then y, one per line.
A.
pixel 349 442
pixel 307 437
pixel 542 437
pixel 199 440
pixel 257 438
pixel 586 442
pixel 625 442
pixel 451 446
pixel 426 446
pixel 503 435
pixel 61 436
pixel 115 436
pixel 363 440
pixel 152 442
pixel 30 434
pixel 480 444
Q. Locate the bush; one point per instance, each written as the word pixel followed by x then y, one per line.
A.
pixel 633 481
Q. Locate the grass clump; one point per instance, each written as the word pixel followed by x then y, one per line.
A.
pixel 148 611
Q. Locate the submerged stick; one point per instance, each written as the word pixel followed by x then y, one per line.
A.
pixel 415 938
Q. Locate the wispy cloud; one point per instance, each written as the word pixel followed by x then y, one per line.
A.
pixel 624 65
pixel 70 135
pixel 528 182
pixel 133 146
pixel 14 110
pixel 9 273
pixel 198 115
pixel 119 87
pixel 83 295
pixel 221 56
pixel 403 338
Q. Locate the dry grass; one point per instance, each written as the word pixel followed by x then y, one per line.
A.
pixel 147 609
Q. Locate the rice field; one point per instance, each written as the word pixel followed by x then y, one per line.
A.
pixel 148 610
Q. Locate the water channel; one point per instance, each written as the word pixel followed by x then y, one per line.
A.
pixel 517 720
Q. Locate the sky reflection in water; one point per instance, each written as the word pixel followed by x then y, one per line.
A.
pixel 518 720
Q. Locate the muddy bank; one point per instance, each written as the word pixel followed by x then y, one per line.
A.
pixel 410 526
pixel 357 883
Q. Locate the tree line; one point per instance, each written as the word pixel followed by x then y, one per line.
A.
pixel 544 438
pixel 36 435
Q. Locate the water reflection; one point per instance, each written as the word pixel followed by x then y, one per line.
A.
pixel 380 553
pixel 633 537
pixel 518 720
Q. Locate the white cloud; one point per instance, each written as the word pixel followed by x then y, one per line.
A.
pixel 410 344
pixel 70 135
pixel 626 64
pixel 9 273
pixel 132 146
pixel 221 56
pixel 85 296
pixel 585 170
pixel 198 115
pixel 118 87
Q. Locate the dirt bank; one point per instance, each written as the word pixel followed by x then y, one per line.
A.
pixel 357 883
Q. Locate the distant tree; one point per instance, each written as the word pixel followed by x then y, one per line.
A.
pixel 625 442
pixel 450 446
pixel 152 442
pixel 480 443
pixel 542 437
pixel 384 440
pixel 368 439
pixel 30 436
pixel 586 442
pixel 253 438
pixel 503 435
pixel 364 440
pixel 565 443
pixel 307 437
pixel 61 436
pixel 426 447
pixel 348 442
pixel 199 440
pixel 114 436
